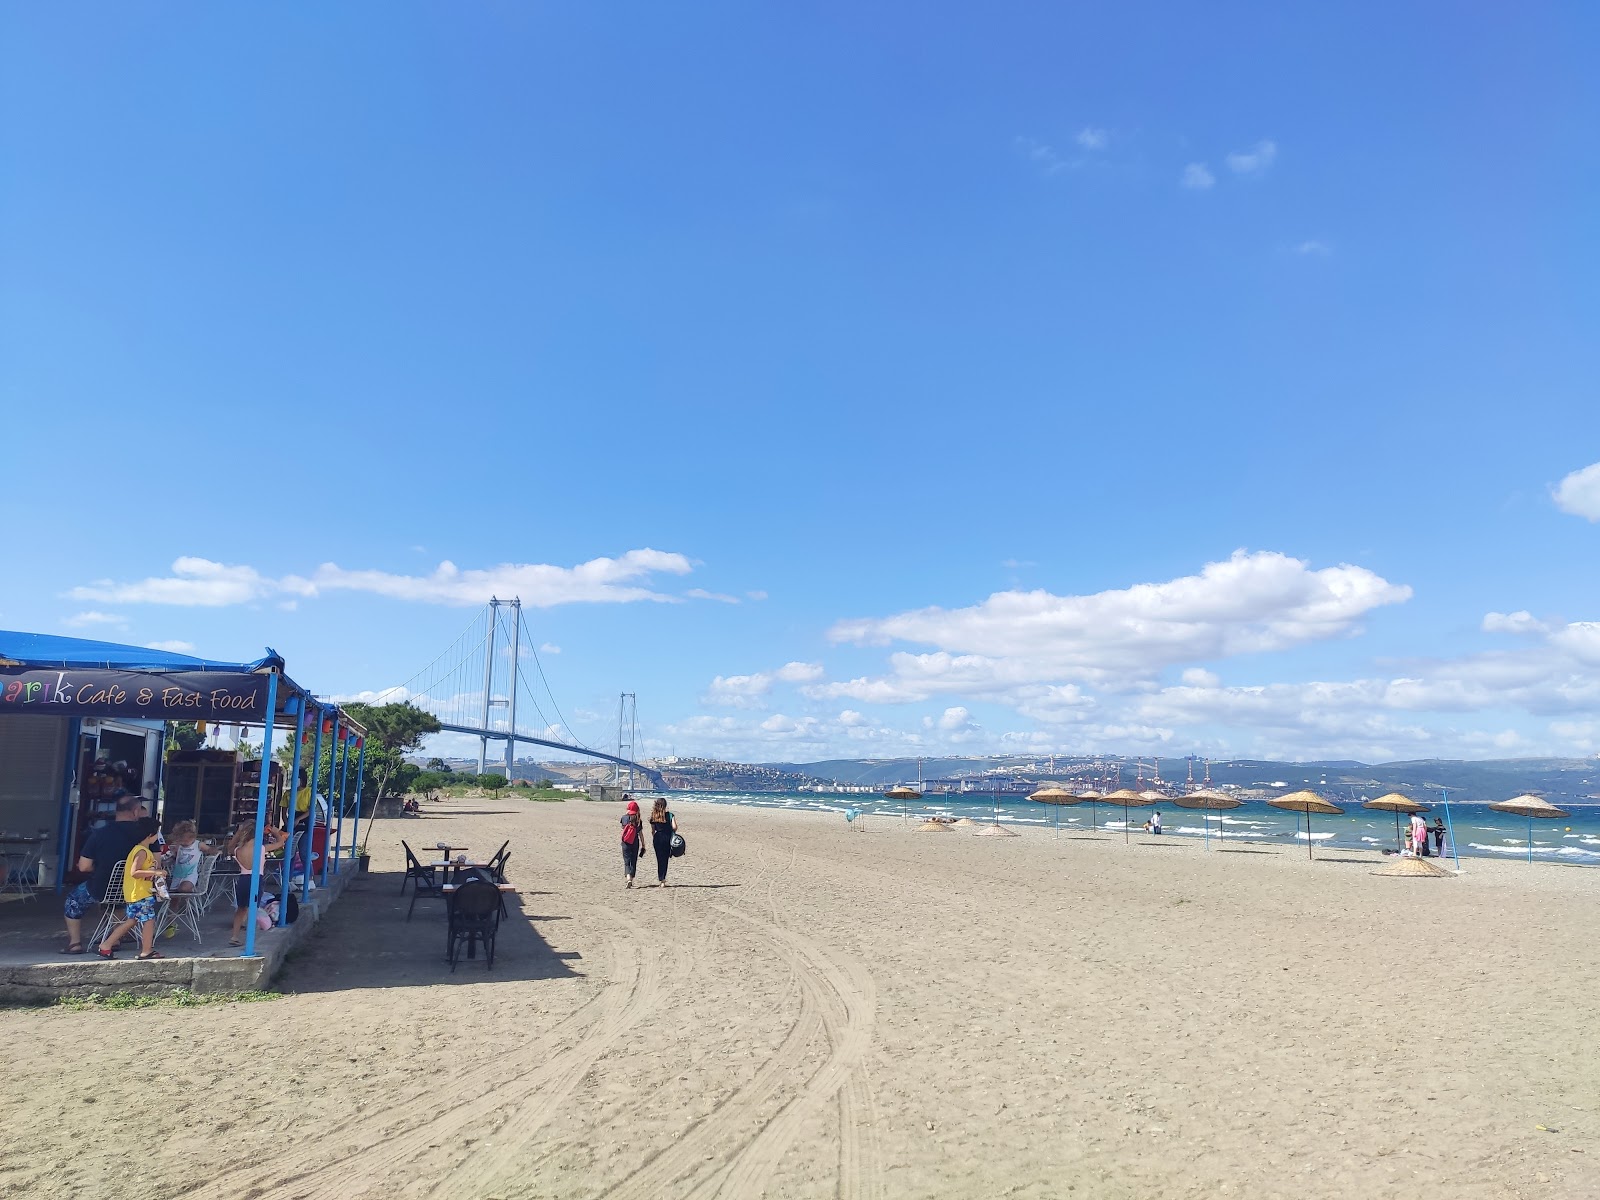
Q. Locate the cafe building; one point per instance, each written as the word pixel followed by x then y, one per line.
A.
pixel 82 721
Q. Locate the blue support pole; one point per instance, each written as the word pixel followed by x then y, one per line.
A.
pixel 294 799
pixel 344 797
pixel 311 813
pixel 64 828
pixel 333 780
pixel 261 816
pixel 361 770
pixel 1450 829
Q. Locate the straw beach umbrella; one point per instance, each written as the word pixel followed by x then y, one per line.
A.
pixel 902 793
pixel 1057 797
pixel 1128 798
pixel 1308 803
pixel 1396 803
pixel 1534 809
pixel 1413 868
pixel 1208 802
pixel 1094 798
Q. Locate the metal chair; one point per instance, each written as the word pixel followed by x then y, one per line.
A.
pixel 474 918
pixel 108 905
pixel 194 905
pixel 424 881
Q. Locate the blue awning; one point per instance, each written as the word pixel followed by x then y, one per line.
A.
pixel 65 653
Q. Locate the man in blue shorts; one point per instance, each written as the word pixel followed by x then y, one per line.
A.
pixel 104 849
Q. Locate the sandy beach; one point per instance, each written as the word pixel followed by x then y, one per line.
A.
pixel 815 1012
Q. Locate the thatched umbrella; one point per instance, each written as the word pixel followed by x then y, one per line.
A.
pixel 1128 798
pixel 1056 796
pixel 934 825
pixel 1208 802
pixel 1534 809
pixel 1414 868
pixel 1308 803
pixel 1094 798
pixel 902 793
pixel 996 831
pixel 1396 803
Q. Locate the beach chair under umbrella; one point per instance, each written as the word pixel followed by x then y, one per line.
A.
pixel 1396 803
pixel 1056 796
pixel 1128 798
pixel 1534 809
pixel 1208 802
pixel 1308 803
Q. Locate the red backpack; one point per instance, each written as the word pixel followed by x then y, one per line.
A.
pixel 630 831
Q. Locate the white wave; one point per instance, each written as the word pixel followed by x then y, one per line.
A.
pixel 1375 841
pixel 1315 837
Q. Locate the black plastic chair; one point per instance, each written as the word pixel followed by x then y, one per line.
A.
pixel 420 874
pixel 474 918
pixel 497 861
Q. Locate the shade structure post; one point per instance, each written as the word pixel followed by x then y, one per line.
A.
pixel 294 800
pixel 344 797
pixel 333 787
pixel 361 770
pixel 311 811
pixel 1530 841
pixel 1450 829
pixel 261 817
pixel 1309 843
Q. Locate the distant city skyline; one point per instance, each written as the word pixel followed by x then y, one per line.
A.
pixel 842 382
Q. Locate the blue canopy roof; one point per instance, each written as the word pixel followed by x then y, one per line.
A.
pixel 65 653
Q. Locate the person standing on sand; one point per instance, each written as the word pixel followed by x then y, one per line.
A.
pixel 632 840
pixel 1155 823
pixel 1438 837
pixel 662 826
pixel 1419 835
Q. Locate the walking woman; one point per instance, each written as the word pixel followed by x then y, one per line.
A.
pixel 662 826
pixel 632 840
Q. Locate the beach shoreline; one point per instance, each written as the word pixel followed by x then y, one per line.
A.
pixel 820 1011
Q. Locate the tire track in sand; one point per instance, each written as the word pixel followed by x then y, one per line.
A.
pixel 472 1101
pixel 848 1002
pixel 688 1154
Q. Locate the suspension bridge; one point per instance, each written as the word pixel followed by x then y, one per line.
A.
pixel 479 686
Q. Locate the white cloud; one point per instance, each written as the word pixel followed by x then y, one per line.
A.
pixel 750 691
pixel 85 620
pixel 1093 139
pixel 201 582
pixel 1257 158
pixel 1579 493
pixel 1199 677
pixel 172 647
pixel 1250 603
pixel 800 672
pixel 549 648
pixel 758 594
pixel 702 594
pixel 1315 248
pixel 1517 622
pixel 1040 155
pixel 1197 176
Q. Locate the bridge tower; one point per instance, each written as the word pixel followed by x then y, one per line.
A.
pixel 627 735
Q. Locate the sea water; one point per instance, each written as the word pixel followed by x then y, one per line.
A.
pixel 1479 830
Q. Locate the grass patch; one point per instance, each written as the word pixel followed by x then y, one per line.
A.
pixel 542 794
pixel 176 998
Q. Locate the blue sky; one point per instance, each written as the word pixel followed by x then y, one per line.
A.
pixel 1139 378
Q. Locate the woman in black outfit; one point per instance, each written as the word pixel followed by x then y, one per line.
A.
pixel 662 826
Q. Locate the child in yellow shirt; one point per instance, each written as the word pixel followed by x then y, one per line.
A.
pixel 139 875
